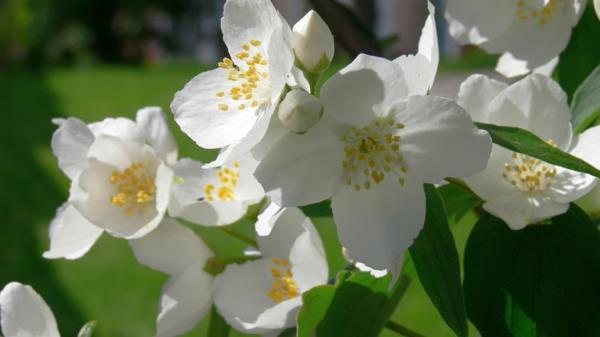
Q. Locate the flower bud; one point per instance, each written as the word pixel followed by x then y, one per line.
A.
pixel 313 43
pixel 299 110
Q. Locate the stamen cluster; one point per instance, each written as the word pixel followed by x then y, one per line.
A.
pixel 225 191
pixel 526 13
pixel 283 287
pixel 529 174
pixel 135 188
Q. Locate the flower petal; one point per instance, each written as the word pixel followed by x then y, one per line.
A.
pixel 171 248
pixel 586 146
pixel 240 295
pixel 476 93
pixel 307 256
pixel 152 122
pixel 376 225
pixel 303 169
pixel 24 313
pixel 477 21
pixel 70 144
pixel 568 186
pixel 535 103
pixel 119 127
pixel 185 300
pixel 266 219
pixel 519 209
pixel 71 234
pixel 439 139
pixel 287 226
pixel 490 182
pixel 420 69
pixel 510 66
pixel 369 86
pixel 196 109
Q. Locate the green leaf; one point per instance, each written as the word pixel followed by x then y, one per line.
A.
pixel 217 326
pixel 87 329
pixel 542 281
pixel 586 102
pixel 458 202
pixel 582 54
pixel 525 142
pixel 435 257
pixel 359 305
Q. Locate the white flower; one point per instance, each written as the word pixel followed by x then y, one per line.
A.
pixel 24 313
pixel 371 152
pixel 120 179
pixel 299 110
pixel 231 106
pixel 530 34
pixel 420 69
pixel 186 297
pixel 264 295
pixel 312 42
pixel 214 196
pixel 590 203
pixel 597 7
pixel 517 188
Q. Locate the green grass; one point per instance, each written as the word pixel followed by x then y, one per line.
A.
pixel 107 284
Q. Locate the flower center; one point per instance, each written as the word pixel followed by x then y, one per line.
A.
pixel 283 286
pixel 371 152
pixel 529 174
pixel 225 190
pixel 250 77
pixel 525 12
pixel 134 187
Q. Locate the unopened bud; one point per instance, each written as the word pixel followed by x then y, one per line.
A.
pixel 299 110
pixel 313 43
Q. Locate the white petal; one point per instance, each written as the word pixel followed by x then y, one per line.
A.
pixel 152 122
pixel 287 225
pixel 531 43
pixel 568 186
pixel 587 146
pixel 240 295
pixel 248 142
pixel 476 93
pixel 120 127
pixel 420 69
pixel 297 80
pixel 303 169
pixel 118 152
pixel 307 257
pixel 70 144
pixel 378 224
pixel 477 21
pixel 171 248
pixel 535 103
pixel 24 313
pixel 266 219
pixel 597 7
pixel 71 234
pixel 215 213
pixel 185 300
pixel 196 110
pixel 490 183
pixel 439 139
pixel 519 209
pixel 510 66
pixel 369 86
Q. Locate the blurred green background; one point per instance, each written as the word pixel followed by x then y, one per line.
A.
pixel 59 59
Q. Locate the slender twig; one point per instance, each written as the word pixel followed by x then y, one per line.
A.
pixel 233 233
pixel 402 330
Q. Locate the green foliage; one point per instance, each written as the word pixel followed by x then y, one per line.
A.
pixel 525 142
pixel 543 280
pixel 582 54
pixel 435 258
pixel 217 326
pixel 355 306
pixel 457 201
pixel 585 106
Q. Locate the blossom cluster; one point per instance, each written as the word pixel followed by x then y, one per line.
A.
pixel 368 138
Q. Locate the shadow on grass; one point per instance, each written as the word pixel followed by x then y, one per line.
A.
pixel 28 196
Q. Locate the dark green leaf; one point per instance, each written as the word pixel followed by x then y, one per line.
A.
pixel 321 209
pixel 217 327
pixel 316 302
pixel 457 202
pixel 435 257
pixel 586 102
pixel 87 329
pixel 542 281
pixel 582 54
pixel 288 333
pixel 525 142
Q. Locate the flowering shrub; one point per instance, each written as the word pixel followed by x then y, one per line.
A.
pixel 393 164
